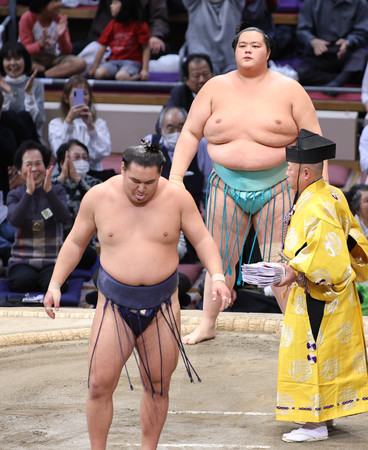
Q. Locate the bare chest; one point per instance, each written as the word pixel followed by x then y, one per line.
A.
pixel 248 113
pixel 132 226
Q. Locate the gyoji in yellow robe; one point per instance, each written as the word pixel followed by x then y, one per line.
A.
pixel 324 378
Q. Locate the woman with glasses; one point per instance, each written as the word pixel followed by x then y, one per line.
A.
pixel 37 210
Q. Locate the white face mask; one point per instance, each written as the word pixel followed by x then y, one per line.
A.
pixel 170 140
pixel 81 166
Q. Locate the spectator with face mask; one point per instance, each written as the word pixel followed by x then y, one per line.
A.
pixel 73 161
pixel 170 124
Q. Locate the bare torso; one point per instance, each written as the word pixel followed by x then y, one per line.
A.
pixel 138 244
pixel 251 121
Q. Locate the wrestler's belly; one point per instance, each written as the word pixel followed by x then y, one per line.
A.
pixel 142 267
pixel 243 154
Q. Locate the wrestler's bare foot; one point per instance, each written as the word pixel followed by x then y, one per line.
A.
pixel 200 334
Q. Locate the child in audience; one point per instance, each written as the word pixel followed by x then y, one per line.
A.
pixel 23 94
pixel 44 32
pixel 127 35
pixel 81 122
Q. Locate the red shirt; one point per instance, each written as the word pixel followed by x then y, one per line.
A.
pixel 125 39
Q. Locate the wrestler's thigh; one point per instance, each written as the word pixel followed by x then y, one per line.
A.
pixel 107 361
pixel 151 346
pixel 227 224
pixel 269 221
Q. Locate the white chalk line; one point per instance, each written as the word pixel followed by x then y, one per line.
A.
pixel 195 446
pixel 224 413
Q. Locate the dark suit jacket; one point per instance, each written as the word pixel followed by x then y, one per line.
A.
pixel 181 96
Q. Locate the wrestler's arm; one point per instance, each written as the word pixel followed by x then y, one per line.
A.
pixel 192 133
pixel 72 250
pixel 305 114
pixel 195 230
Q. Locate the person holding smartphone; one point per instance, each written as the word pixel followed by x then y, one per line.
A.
pixel 79 121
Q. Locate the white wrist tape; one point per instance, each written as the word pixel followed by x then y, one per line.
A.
pixel 177 179
pixel 218 277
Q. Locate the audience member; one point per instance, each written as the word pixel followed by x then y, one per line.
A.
pixel 154 13
pixel 175 6
pixel 23 94
pixel 357 197
pixel 197 69
pixel 333 35
pixel 45 34
pixel 81 122
pixel 184 281
pixel 8 146
pixel 7 232
pixel 127 36
pixel 363 150
pixel 37 210
pixel 211 27
pixel 258 13
pixel 171 121
pixel 365 92
pixel 73 162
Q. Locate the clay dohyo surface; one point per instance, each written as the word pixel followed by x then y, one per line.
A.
pixel 44 390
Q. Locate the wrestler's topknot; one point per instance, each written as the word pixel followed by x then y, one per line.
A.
pixel 150 147
pixel 145 154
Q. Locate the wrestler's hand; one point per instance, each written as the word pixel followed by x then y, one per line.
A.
pixel 52 298
pixel 219 289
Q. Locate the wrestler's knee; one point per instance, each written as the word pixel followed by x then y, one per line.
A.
pixel 100 387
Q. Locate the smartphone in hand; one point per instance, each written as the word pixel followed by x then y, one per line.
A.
pixel 78 97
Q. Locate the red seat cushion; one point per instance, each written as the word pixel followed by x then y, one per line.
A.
pixel 338 174
pixel 192 271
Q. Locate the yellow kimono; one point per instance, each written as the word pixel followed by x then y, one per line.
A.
pixel 324 378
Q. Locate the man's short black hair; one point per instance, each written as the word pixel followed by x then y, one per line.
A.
pixel 31 145
pixel 145 155
pixel 198 57
pixel 244 26
pixel 15 49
